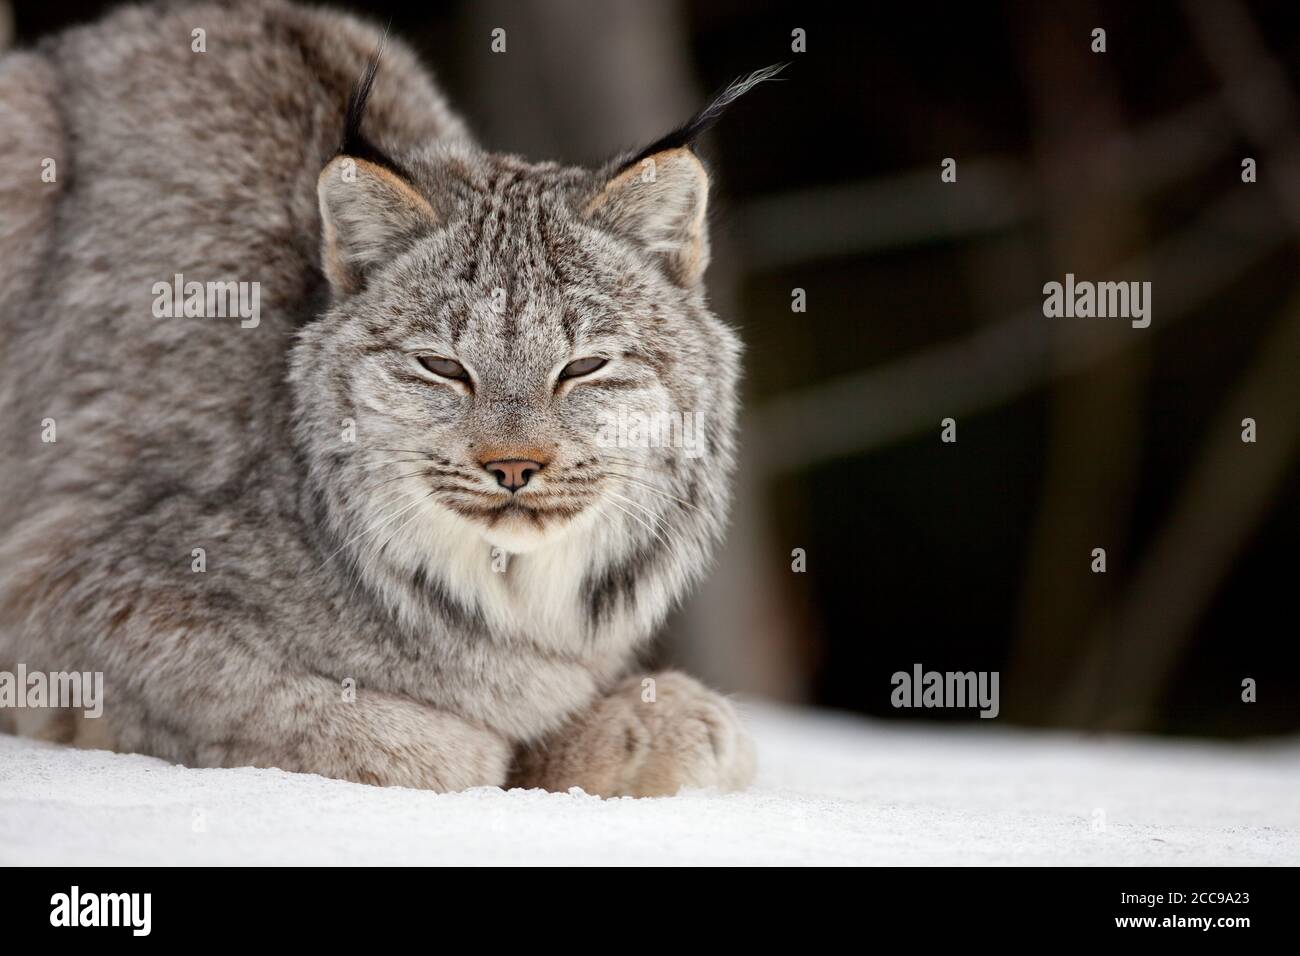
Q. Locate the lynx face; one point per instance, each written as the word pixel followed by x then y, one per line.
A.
pixel 523 349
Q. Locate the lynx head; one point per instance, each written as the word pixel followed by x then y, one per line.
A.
pixel 524 353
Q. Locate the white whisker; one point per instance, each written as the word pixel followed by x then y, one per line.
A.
pixel 379 550
pixel 374 528
pixel 653 529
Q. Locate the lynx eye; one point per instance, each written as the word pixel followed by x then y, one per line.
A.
pixel 583 366
pixel 443 367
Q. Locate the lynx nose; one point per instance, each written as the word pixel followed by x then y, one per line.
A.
pixel 513 473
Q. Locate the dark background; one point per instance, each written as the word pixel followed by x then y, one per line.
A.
pixel 924 302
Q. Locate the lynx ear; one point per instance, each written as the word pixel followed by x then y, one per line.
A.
pixel 368 213
pixel 660 201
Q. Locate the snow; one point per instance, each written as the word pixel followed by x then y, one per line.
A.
pixel 832 789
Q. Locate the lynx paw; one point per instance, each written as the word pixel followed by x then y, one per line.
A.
pixel 650 737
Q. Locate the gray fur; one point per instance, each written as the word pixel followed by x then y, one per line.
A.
pixel 182 433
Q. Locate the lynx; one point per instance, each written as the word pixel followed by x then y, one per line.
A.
pixel 374 535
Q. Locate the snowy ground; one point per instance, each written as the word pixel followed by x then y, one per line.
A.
pixel 831 790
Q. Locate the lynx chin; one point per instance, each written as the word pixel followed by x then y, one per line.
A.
pixel 475 317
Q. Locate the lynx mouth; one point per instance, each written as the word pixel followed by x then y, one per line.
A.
pixel 519 527
pixel 537 513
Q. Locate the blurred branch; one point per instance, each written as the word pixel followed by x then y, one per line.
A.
pixel 1094 422
pixel 1222 502
pixel 591 80
pixel 1256 90
pixel 1230 487
pixel 6 25
pixel 853 413
pixel 995 194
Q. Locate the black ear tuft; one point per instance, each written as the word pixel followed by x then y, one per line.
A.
pixel 353 140
pixel 355 143
pixel 686 135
